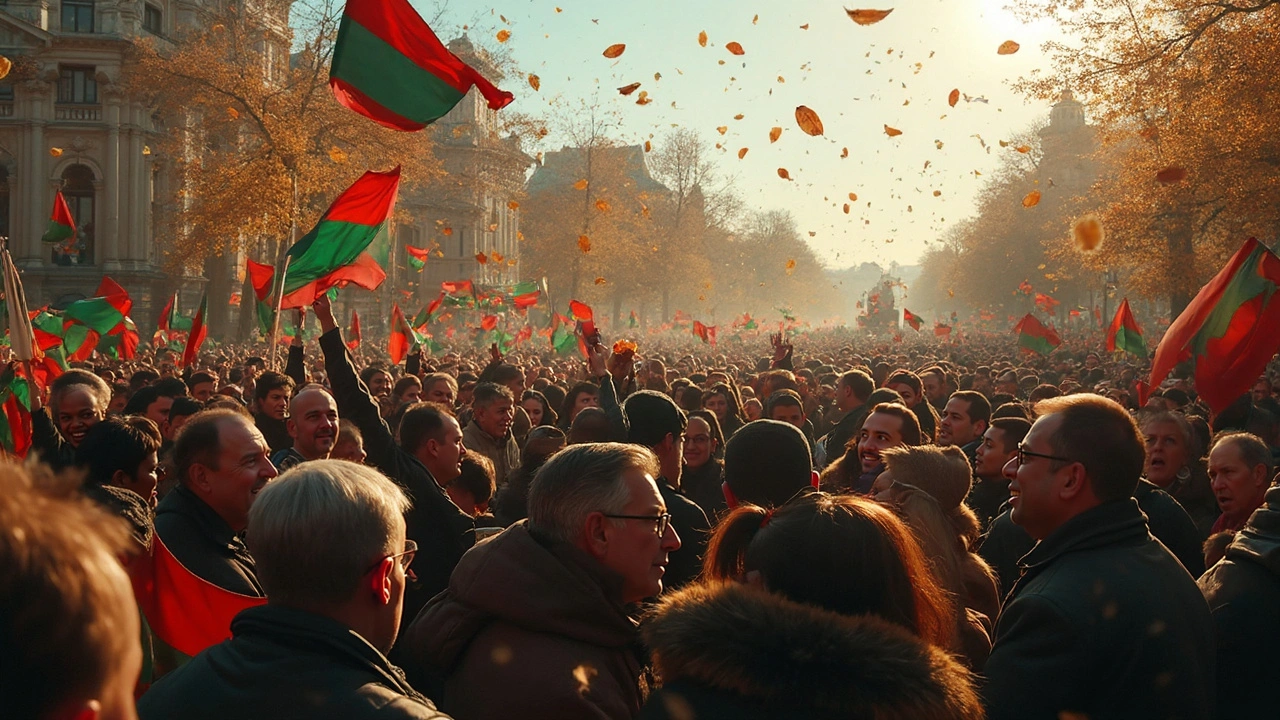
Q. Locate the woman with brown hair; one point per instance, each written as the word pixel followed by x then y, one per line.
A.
pixel 823 608
pixel 722 399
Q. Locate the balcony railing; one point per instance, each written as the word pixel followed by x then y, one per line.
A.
pixel 78 113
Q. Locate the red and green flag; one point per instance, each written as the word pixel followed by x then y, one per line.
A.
pixel 525 295
pixel 15 413
pixel 1124 335
pixel 353 337
pixel 333 253
pixel 402 338
pixel 633 321
pixel 428 313
pixel 707 333
pixel 1230 330
pixel 489 322
pixel 417 257
pixel 61 224
pixel 261 277
pixel 1036 337
pixel 562 337
pixel 199 331
pixel 391 68
pixel 912 319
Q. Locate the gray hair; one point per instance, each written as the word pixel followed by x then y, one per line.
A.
pixel 1253 451
pixel 315 530
pixel 580 480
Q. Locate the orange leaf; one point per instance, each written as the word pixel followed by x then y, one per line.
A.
pixel 1024 149
pixel 742 153
pixel 648 146
pixel 602 205
pixel 722 129
pixel 808 120
pixel 5 66
pixel 580 185
pixel 623 346
pixel 504 35
pixel 791 266
pixel 804 26
pixel 774 134
pixel 702 38
pixel 337 155
pixel 614 51
pixel 846 208
pixel 844 152
pixel 497 257
pixel 600 281
pixel 584 243
pixel 233 113
pixel 853 197
pixel 513 205
pixel 1088 233
pixel 1172 174
pixel 1032 199
pixel 1008 47
pixel 782 173
pixel 628 89
pixel 534 81
pixel 643 98
pixel 734 48
pixel 482 258
pixel 937 193
pixel 447 231
pixel 954 97
pixel 868 17
pixel 892 132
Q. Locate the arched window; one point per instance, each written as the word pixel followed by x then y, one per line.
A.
pixel 77 188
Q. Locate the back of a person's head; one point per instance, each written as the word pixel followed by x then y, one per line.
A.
pixel 652 416
pixel 591 425
pixel 422 421
pixel 184 407
pixel 476 478
pixel 859 382
pixel 1101 435
pixel 883 395
pixel 142 399
pixel 170 387
pixel 315 530
pixel 767 463
pixel 843 553
pixel 115 445
pixel 580 480
pixel 68 622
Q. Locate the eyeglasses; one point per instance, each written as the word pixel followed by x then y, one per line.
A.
pixel 697 439
pixel 1024 453
pixel 663 521
pixel 404 558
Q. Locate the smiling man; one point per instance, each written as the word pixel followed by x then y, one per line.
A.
pixel 889 425
pixel 489 432
pixel 222 462
pixel 1104 621
pixel 313 425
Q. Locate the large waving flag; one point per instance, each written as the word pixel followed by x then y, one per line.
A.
pixel 391 68
pixel 1124 334
pixel 61 224
pixel 261 276
pixel 333 253
pixel 199 331
pixel 1230 330
pixel 1035 337
pixel 428 313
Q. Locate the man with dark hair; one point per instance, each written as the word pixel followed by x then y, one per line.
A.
pixel 442 531
pixel 938 386
pixel 222 462
pixel 271 394
pixel 181 409
pixel 142 378
pixel 911 389
pixel 991 488
pixel 889 425
pixel 1104 622
pixel 489 432
pixel 767 463
pixel 852 391
pixel 118 453
pixel 202 385
pixel 965 418
pixel 313 425
pixel 153 401
pixel 512 378
pixel 474 487
pixel 786 406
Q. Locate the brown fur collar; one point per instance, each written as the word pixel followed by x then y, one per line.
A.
pixel 759 645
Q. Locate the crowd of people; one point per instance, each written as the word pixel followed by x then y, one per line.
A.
pixel 839 528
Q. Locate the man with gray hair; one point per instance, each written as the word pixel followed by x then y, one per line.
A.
pixel 535 622
pixel 329 539
pixel 489 432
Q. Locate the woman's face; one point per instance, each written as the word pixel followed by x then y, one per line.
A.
pixel 699 445
pixel 584 400
pixel 717 404
pixel 1167 452
pixel 533 409
pixel 77 410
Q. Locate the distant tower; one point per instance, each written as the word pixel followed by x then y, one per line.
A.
pixel 1068 144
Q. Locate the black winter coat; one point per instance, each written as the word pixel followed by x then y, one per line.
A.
pixel 1104 623
pixel 203 542
pixel 1243 591
pixel 282 664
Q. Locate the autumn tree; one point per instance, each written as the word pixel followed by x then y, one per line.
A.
pixel 257 144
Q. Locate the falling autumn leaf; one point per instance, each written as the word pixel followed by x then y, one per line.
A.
pixel 1032 199
pixel 628 89
pixel 602 205
pixel 497 257
pixel 954 97
pixel 937 193
pixel 1024 149
pixel 580 185
pixel 513 205
pixel 844 152
pixel 804 26
pixel 584 243
pixel 1172 174
pixel 808 120
pixel 722 129
pixel 702 38
pixel 447 231
pixel 774 134
pixel 5 66
pixel 734 48
pixel 615 50
pixel 601 281
pixel 739 116
pixel 853 197
pixel 535 82
pixel 782 173
pixel 1088 233
pixel 868 17
pixel 846 208
pixel 643 98
pixel 1008 47
pixel 482 258
pixel 791 266
pixel 337 155
pixel 55 151
pixel 742 153
pixel 648 146
pixel 892 132
pixel 233 113
pixel 504 35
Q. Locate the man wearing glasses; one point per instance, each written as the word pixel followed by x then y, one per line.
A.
pixel 536 621
pixel 1104 622
pixel 329 540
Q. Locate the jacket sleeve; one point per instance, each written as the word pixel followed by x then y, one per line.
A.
pixel 413 362
pixel 1035 669
pixel 295 367
pixel 46 439
pixel 621 428
pixel 356 404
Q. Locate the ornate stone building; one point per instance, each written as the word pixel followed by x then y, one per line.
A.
pixel 1068 143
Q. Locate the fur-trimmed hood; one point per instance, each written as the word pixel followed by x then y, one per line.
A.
pixel 760 647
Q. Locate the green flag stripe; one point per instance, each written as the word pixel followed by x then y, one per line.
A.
pixel 1131 342
pixel 384 75
pixel 330 245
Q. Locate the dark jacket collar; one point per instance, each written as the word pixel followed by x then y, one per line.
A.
pixel 1107 524
pixel 203 518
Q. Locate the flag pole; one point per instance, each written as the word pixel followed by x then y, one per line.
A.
pixel 284 273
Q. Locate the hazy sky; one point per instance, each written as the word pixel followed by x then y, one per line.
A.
pixel 858 79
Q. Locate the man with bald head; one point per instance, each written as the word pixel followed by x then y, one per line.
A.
pixel 313 425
